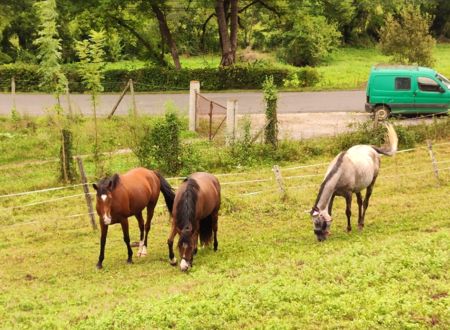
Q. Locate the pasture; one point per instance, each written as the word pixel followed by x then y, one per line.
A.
pixel 268 273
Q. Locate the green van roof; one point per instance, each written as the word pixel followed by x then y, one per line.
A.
pixel 401 68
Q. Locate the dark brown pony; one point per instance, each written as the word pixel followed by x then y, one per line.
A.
pixel 194 214
pixel 120 197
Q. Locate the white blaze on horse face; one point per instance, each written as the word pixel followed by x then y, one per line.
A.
pixel 103 197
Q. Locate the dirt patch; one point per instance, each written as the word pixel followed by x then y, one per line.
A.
pixel 306 125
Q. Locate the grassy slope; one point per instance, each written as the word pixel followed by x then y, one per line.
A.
pixel 269 271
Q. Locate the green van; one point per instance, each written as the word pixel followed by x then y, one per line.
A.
pixel 406 90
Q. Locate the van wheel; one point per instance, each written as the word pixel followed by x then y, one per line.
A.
pixel 381 112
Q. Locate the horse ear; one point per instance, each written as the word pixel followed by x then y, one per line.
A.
pixel 95 186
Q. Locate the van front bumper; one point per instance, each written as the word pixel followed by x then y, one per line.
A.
pixel 369 107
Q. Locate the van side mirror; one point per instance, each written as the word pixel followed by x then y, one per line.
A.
pixel 441 90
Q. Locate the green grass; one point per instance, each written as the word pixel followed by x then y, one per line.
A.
pixel 269 271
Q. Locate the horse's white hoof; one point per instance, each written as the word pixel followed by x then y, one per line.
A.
pixel 173 261
pixel 142 251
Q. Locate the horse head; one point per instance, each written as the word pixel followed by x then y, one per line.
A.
pixel 186 247
pixel 322 223
pixel 104 189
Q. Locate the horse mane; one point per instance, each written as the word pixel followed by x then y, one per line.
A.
pixel 186 208
pixel 329 176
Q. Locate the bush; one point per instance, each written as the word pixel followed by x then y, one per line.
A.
pixel 308 40
pixel 158 78
pixel 408 38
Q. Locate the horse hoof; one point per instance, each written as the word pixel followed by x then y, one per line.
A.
pixel 173 261
pixel 99 266
pixel 349 229
pixel 129 262
pixel 360 227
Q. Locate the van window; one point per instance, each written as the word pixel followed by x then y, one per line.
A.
pixel 403 84
pixel 427 84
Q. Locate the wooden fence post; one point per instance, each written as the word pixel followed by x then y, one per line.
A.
pixel 231 121
pixel 276 170
pixel 86 193
pixel 133 98
pixel 433 161
pixel 194 88
pixel 120 99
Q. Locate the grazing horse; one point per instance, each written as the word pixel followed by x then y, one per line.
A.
pixel 194 214
pixel 350 172
pixel 122 196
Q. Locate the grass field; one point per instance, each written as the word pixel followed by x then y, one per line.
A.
pixel 269 271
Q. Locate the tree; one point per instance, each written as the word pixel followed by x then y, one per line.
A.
pixel 228 41
pixel 407 38
pixel 49 49
pixel 91 54
pixel 165 33
pixel 307 40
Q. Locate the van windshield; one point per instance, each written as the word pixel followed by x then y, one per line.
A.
pixel 444 80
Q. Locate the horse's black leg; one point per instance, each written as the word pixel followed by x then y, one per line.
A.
pixel 366 202
pixel 148 224
pixel 360 205
pixel 172 259
pixel 126 239
pixel 330 204
pixel 215 219
pixel 104 233
pixel 348 210
pixel 140 219
pixel 195 243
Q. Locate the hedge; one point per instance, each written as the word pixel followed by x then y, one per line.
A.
pixel 157 78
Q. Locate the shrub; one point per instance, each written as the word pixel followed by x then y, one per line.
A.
pixel 407 38
pixel 159 79
pixel 158 146
pixel 308 40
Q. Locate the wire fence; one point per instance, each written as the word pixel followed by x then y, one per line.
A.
pixel 254 183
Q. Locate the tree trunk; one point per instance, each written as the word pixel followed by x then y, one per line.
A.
pixel 154 55
pixel 165 32
pixel 234 28
pixel 227 53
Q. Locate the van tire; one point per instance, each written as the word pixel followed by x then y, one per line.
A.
pixel 382 112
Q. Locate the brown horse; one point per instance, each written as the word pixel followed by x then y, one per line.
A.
pixel 120 197
pixel 194 214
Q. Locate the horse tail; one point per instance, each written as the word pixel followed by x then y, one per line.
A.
pixel 167 191
pixel 390 149
pixel 206 230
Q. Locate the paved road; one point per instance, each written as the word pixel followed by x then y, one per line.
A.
pixel 249 102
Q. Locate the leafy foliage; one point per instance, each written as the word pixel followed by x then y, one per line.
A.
pixel 270 97
pixel 49 49
pixel 407 38
pixel 158 146
pixel 308 40
pixel 154 78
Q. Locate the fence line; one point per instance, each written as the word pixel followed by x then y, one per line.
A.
pixel 41 202
pixel 39 191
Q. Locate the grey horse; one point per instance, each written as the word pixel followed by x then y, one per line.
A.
pixel 350 172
